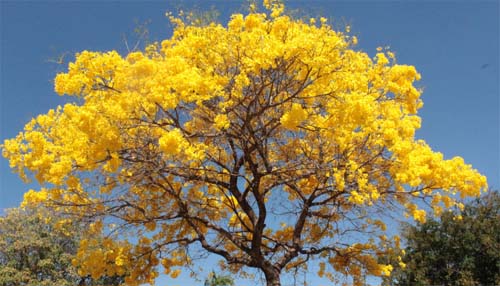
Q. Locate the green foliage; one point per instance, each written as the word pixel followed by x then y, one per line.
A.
pixel 215 280
pixel 462 248
pixel 36 249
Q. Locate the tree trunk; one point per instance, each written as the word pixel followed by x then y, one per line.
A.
pixel 275 281
pixel 272 277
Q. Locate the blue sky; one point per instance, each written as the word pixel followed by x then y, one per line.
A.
pixel 453 44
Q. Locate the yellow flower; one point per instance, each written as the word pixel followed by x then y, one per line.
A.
pixel 386 270
pixel 33 197
pixel 221 122
pixel 293 118
pixel 175 273
pixel 171 142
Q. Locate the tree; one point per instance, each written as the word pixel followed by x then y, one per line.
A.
pixel 270 142
pixel 215 280
pixel 37 247
pixel 459 249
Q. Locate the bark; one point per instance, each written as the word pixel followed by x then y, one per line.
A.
pixel 272 277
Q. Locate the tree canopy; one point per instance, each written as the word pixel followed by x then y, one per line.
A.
pixel 461 248
pixel 37 247
pixel 270 142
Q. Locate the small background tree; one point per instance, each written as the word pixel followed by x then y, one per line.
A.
pixel 461 248
pixel 37 247
pixel 216 280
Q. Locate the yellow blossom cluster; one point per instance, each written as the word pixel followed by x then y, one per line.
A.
pixel 292 118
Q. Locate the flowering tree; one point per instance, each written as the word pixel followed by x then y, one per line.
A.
pixel 269 142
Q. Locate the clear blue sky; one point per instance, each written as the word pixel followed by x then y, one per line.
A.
pixel 453 44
